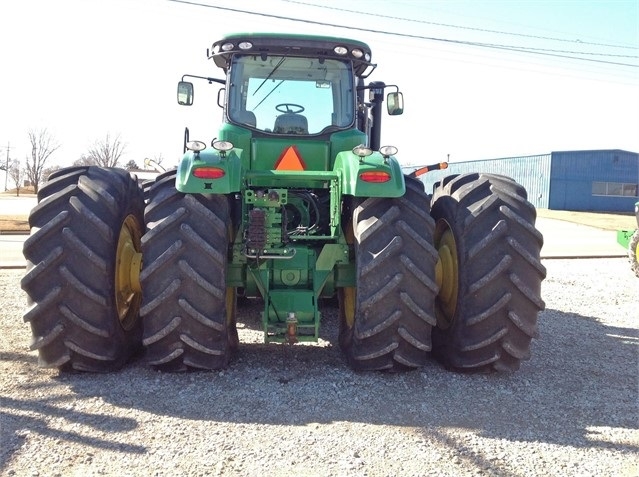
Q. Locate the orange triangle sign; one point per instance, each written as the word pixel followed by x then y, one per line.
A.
pixel 290 160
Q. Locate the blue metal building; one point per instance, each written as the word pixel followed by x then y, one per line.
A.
pixel 602 180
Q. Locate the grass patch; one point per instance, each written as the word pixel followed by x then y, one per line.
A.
pixel 24 191
pixel 14 223
pixel 600 220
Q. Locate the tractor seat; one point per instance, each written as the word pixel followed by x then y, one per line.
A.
pixel 291 123
pixel 245 117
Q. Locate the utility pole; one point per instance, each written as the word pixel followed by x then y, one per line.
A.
pixel 6 175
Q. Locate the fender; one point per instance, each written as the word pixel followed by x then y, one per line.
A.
pixel 351 167
pixel 217 174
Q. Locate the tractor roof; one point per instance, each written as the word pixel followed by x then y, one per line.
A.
pixel 293 45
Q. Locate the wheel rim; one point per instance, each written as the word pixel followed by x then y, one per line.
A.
pixel 447 274
pixel 231 292
pixel 128 263
pixel 231 301
pixel 347 303
pixel 348 294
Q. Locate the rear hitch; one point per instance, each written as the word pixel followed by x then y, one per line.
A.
pixel 291 328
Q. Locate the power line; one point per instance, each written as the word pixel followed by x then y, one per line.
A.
pixel 551 53
pixel 448 25
pixel 6 168
pixel 532 49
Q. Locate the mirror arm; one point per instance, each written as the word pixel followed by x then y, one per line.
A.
pixel 368 86
pixel 210 80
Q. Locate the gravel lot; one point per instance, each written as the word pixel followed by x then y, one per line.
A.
pixel 572 410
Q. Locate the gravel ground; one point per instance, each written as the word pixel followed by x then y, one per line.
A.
pixel 572 410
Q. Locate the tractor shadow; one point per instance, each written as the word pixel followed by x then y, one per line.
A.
pixel 22 418
pixel 562 396
pixel 562 404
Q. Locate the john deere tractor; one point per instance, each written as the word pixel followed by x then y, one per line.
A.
pixel 295 200
pixel 629 239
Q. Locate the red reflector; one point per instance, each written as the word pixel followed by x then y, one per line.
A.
pixel 375 176
pixel 208 172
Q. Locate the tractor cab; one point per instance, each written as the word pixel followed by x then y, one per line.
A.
pixel 284 96
pixel 291 84
pixel 294 90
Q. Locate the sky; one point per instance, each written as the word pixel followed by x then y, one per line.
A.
pixel 481 79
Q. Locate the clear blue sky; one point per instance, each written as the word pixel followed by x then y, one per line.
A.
pixel 85 68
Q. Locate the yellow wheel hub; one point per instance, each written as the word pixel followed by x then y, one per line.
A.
pixel 348 305
pixel 348 294
pixel 446 274
pixel 128 263
pixel 231 303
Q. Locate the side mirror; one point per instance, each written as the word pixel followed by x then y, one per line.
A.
pixel 185 93
pixel 395 103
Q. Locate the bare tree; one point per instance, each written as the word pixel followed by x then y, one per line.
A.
pixel 106 152
pixel 48 171
pixel 43 145
pixel 84 160
pixel 15 172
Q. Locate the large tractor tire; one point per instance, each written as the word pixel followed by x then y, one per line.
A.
pixel 187 311
pixel 633 252
pixel 83 264
pixel 489 271
pixel 386 320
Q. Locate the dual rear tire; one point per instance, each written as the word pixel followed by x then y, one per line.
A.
pixel 83 281
pixel 187 311
pixel 82 292
pixel 461 274
pixel 386 321
pixel 633 253
pixel 491 273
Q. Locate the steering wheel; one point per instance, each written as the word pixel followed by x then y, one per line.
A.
pixel 290 108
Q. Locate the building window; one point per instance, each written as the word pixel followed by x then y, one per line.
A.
pixel 630 190
pixel 598 188
pixel 618 189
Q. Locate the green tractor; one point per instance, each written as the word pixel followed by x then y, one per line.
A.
pixel 294 201
pixel 629 239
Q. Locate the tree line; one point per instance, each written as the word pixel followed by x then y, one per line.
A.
pixel 106 152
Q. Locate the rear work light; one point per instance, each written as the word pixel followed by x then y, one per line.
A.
pixel 195 146
pixel 362 151
pixel 387 151
pixel 222 146
pixel 208 172
pixel 375 176
pixel 340 50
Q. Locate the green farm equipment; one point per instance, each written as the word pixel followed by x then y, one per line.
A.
pixel 294 201
pixel 629 239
